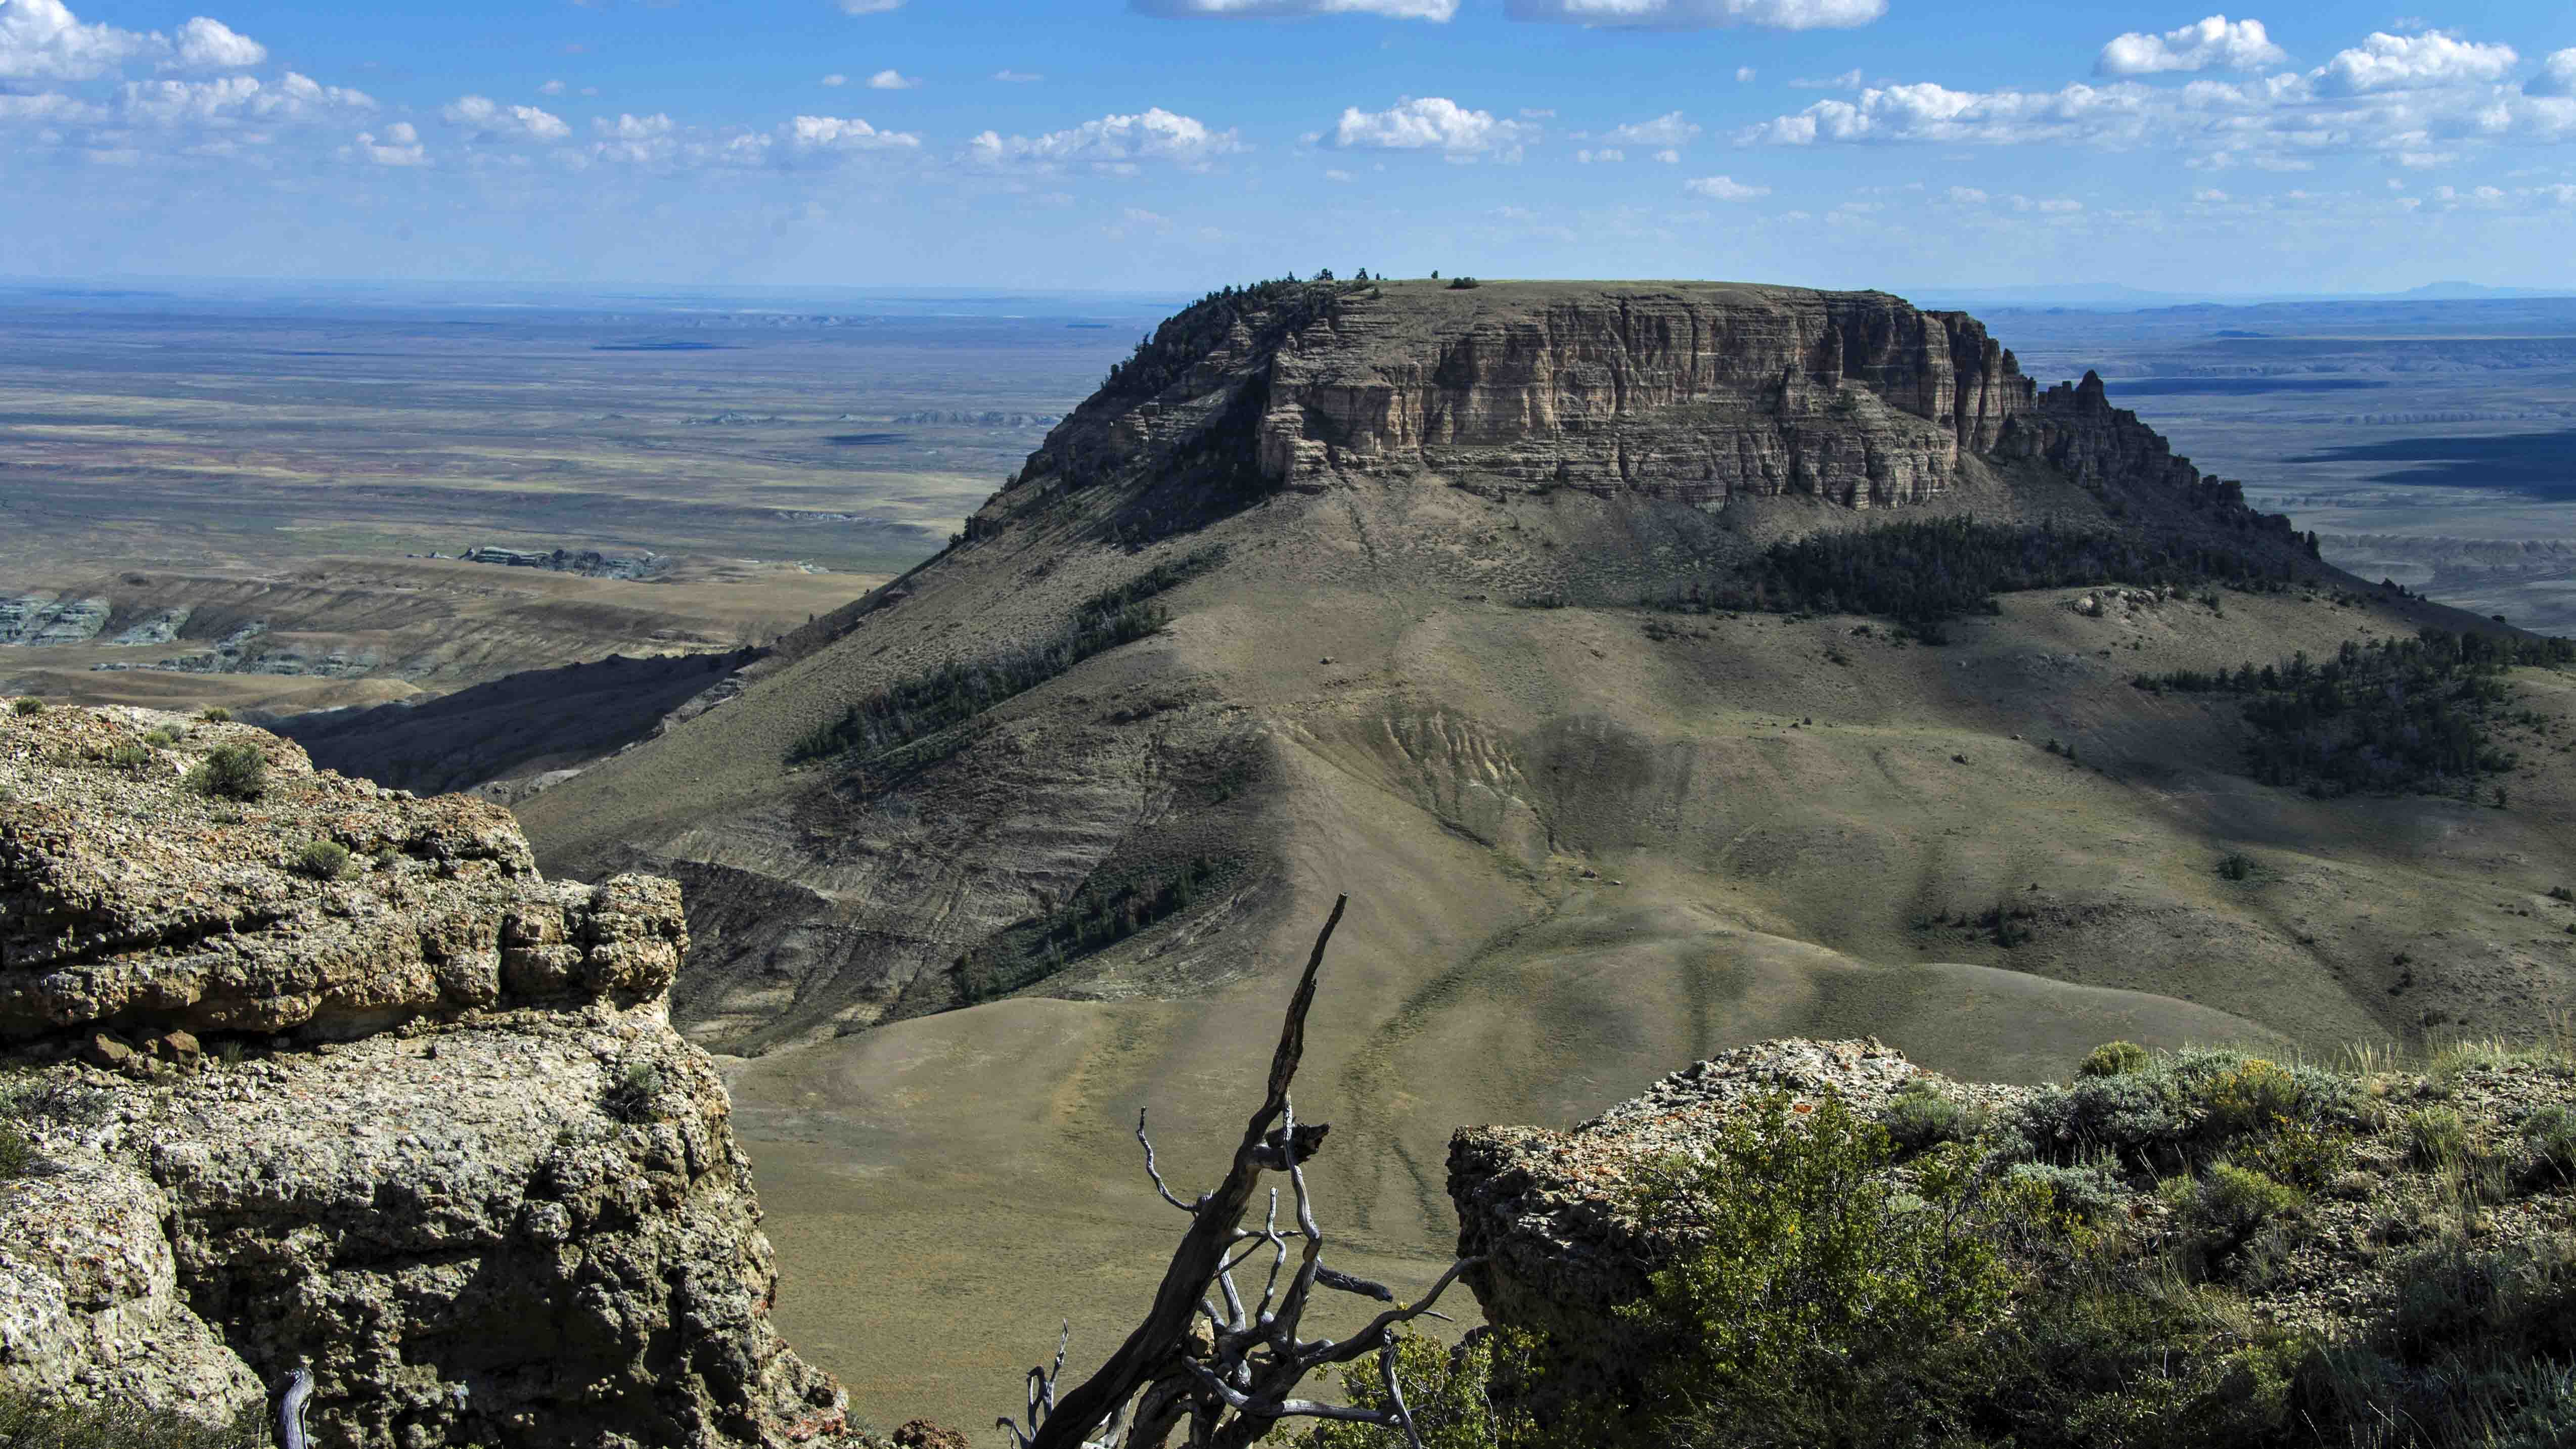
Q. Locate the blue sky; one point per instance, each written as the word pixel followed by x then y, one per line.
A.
pixel 1172 145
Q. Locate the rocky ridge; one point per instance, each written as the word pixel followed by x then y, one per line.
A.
pixel 1554 1214
pixel 411 1118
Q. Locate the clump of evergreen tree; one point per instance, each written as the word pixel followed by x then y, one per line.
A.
pixel 922 705
pixel 2387 716
pixel 1922 572
pixel 1105 911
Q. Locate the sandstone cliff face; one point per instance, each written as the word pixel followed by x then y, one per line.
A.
pixel 1696 393
pixel 437 1143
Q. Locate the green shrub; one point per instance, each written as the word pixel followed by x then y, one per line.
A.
pixel 1468 1397
pixel 2185 1106
pixel 2085 1192
pixel 235 771
pixel 2136 1115
pixel 2305 1155
pixel 1814 1286
pixel 26 704
pixel 2113 1059
pixel 324 860
pixel 2252 1096
pixel 162 736
pixel 2228 1204
pixel 129 756
pixel 214 714
pixel 1919 1116
pixel 2236 865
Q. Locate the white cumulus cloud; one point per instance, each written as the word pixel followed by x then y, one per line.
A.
pixel 1117 142
pixel 1433 123
pixel 1436 11
pixel 212 45
pixel 489 119
pixel 2214 41
pixel 2404 62
pixel 2404 97
pixel 234 99
pixel 43 40
pixel 1723 188
pixel 1589 158
pixel 2557 75
pixel 844 133
pixel 1668 129
pixel 1700 14
pixel 892 80
pixel 400 146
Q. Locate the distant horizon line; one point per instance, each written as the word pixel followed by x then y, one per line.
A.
pixel 2113 294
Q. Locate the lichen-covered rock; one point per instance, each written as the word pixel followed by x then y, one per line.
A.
pixel 516 1217
pixel 128 897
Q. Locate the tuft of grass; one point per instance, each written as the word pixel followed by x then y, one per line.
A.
pixel 634 1094
pixel 17 1154
pixel 235 771
pixel 214 714
pixel 129 756
pixel 325 860
pixel 2435 1138
pixel 162 736
pixel 2236 865
pixel 26 704
pixel 27 1422
pixel 2551 1133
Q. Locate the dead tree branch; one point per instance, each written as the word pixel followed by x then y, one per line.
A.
pixel 1236 1378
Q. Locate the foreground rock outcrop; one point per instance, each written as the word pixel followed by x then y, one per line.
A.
pixel 2310 1204
pixel 412 1118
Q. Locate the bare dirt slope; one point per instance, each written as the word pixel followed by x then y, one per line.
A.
pixel 1586 843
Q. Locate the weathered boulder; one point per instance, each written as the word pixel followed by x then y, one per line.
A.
pixel 444 1151
pixel 128 896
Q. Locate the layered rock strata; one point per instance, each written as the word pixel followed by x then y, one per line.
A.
pixel 1699 393
pixel 437 1142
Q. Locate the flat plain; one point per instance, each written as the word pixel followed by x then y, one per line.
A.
pixel 294 460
